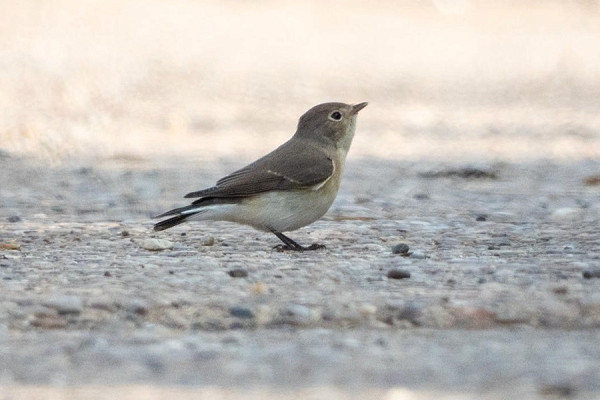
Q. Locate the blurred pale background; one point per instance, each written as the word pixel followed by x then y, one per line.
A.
pixel 446 79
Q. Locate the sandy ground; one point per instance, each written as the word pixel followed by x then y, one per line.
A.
pixel 480 151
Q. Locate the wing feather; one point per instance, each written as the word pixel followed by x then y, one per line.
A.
pixel 294 165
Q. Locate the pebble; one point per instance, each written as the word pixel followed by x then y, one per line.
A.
pixel 410 312
pixel 10 246
pixel 398 274
pixel 208 241
pixel 421 196
pixel 295 314
pixel 137 306
pixel 259 288
pixel 14 218
pixel 481 218
pixel 400 248
pixel 241 312
pixel 237 273
pixel 418 254
pixel 154 244
pixel 50 322
pixel 66 304
pixel 368 309
pixel 589 274
pixel 566 214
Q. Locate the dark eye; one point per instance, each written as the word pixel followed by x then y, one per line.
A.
pixel 336 116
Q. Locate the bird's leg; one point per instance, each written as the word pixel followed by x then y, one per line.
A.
pixel 292 245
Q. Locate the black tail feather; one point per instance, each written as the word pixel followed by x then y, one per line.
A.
pixel 171 222
pixel 176 211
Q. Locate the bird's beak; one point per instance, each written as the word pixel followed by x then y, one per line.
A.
pixel 357 107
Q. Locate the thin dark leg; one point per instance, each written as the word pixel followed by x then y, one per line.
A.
pixel 292 245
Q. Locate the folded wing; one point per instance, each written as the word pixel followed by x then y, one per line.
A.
pixel 294 165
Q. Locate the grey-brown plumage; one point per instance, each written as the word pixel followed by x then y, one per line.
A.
pixel 290 187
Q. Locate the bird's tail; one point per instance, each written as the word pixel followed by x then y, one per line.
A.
pixel 171 222
pixel 180 215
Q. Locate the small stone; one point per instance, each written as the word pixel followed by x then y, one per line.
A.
pixel 259 288
pixel 124 233
pixel 502 242
pixel 593 180
pixel 398 274
pixel 400 248
pixel 566 214
pixel 241 312
pixel 107 274
pixel 589 274
pixel 410 312
pixel 368 309
pixel 10 246
pixel 295 314
pixel 208 241
pixel 557 391
pixel 50 322
pixel 237 273
pixel 14 218
pixel 66 304
pixel 154 244
pixel 421 196
pixel 481 218
pixel 137 306
pixel 418 254
pixel 560 290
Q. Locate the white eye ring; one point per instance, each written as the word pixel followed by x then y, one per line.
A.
pixel 335 116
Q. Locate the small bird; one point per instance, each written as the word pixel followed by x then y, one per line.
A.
pixel 291 187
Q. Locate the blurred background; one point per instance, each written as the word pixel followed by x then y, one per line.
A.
pixel 445 79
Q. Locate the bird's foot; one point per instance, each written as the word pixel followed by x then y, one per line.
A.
pixel 285 247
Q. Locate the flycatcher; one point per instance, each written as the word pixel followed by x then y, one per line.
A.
pixel 289 188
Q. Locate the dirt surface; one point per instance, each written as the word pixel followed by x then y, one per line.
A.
pixel 496 299
pixel 463 250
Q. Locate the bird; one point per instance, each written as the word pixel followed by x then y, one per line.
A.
pixel 287 189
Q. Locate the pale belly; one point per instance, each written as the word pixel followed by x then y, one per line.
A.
pixel 279 211
pixel 285 211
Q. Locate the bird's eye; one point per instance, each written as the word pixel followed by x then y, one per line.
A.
pixel 336 116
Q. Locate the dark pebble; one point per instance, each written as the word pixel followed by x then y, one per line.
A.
pixel 14 218
pixel 503 242
pixel 410 312
pixel 559 390
pixel 241 312
pixel 238 273
pixel 398 274
pixel 107 274
pixel 400 248
pixel 591 274
pixel 481 218
pixel 124 233
pixel 421 196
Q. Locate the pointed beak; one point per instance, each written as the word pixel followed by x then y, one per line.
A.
pixel 357 107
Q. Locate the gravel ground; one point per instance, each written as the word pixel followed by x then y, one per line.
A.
pixel 438 280
pixel 463 250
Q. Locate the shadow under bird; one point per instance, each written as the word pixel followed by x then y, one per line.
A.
pixel 291 187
